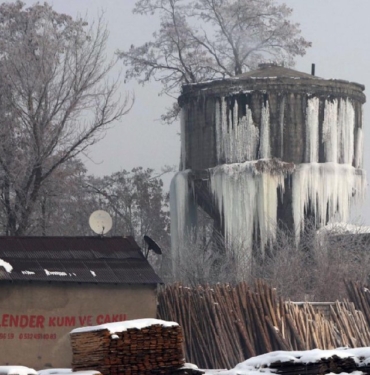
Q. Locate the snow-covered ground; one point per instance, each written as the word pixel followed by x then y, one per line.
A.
pixel 17 370
pixel 64 371
pixel 252 366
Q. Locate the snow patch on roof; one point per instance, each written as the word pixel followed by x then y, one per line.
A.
pixel 6 265
pixel 25 272
pixel 55 273
pixel 124 326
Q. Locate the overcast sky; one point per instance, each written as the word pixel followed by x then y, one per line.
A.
pixel 338 29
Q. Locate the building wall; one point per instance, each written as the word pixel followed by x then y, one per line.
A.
pixel 36 319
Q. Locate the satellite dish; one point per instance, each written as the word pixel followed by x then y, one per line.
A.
pixel 152 246
pixel 100 222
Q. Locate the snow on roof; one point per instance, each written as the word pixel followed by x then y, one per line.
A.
pixel 26 272
pixel 108 260
pixel 17 370
pixel 124 326
pixel 55 273
pixel 8 267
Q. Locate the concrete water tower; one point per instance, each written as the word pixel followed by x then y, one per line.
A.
pixel 268 148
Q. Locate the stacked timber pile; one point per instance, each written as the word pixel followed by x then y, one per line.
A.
pixel 344 327
pixel 359 294
pixel 224 325
pixel 135 347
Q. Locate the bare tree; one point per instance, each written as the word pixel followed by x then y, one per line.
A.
pixel 138 206
pixel 55 100
pixel 64 204
pixel 136 201
pixel 314 270
pixel 206 39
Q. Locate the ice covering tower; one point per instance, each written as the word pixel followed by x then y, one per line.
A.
pixel 269 146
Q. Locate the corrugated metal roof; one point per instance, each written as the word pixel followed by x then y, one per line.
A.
pixel 116 260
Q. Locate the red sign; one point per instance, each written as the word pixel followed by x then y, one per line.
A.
pixel 42 322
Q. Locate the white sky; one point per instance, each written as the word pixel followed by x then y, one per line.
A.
pixel 338 29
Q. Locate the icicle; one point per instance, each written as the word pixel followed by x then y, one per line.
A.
pixel 183 214
pixel 267 201
pixel 338 131
pixel 346 125
pixel 246 199
pixel 237 143
pixel 238 130
pixel 330 131
pixel 359 148
pixel 265 132
pixel 218 126
pixel 327 189
pixel 233 133
pixel 312 130
pixel 252 137
pixel 282 110
pixel 183 139
pixel 225 139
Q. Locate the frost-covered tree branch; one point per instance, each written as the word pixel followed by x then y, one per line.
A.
pixel 138 206
pixel 206 39
pixel 56 100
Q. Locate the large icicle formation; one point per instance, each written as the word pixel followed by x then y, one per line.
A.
pixel 246 198
pixel 240 139
pixel 327 189
pixel 338 132
pixel 325 185
pixel 238 142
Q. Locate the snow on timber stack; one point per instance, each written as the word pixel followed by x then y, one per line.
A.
pixel 142 346
pixel 309 362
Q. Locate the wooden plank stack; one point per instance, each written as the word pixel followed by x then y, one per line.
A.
pixel 153 349
pixel 310 362
pixel 359 294
pixel 333 364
